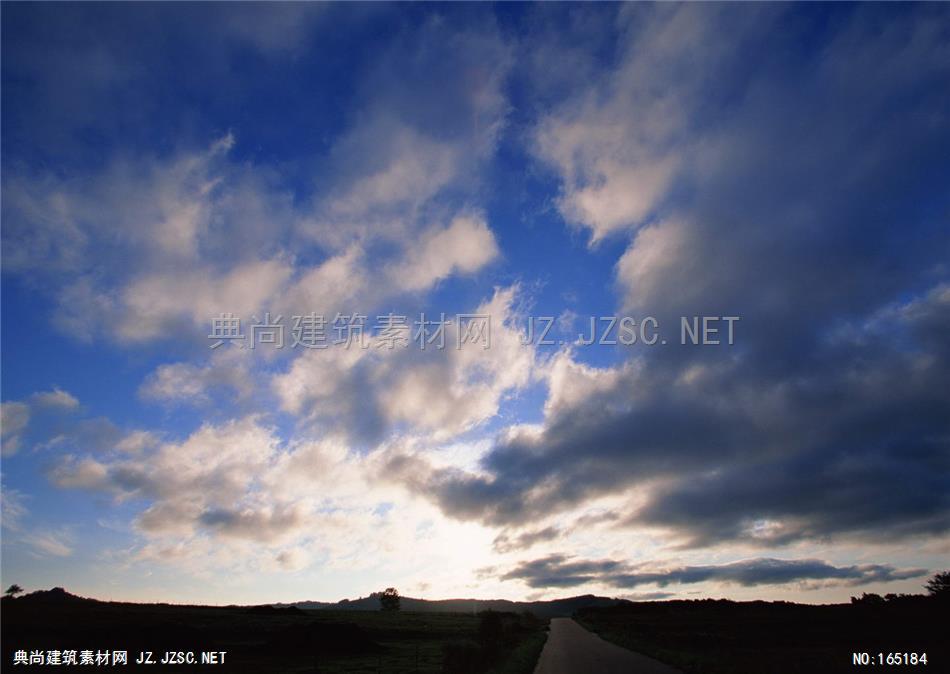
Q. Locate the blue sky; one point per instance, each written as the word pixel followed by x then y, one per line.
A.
pixel 165 164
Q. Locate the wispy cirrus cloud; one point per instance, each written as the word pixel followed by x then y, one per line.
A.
pixel 50 543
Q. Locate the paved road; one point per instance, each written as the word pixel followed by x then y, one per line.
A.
pixel 570 649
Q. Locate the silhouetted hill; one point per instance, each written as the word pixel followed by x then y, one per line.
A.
pixel 433 637
pixel 543 609
pixel 56 595
pixel 256 639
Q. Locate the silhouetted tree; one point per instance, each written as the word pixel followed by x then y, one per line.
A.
pixel 389 599
pixel 14 590
pixel 939 585
pixel 868 599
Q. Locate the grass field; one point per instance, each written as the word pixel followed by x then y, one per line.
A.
pixel 278 641
pixel 724 637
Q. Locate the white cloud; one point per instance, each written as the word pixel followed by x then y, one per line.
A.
pixel 234 499
pixel 185 383
pixel 411 168
pixel 50 543
pixel 440 391
pixel 185 238
pixel 180 237
pixel 174 237
pixel 464 386
pixel 137 442
pixel 40 227
pixel 12 510
pixel 651 262
pixel 340 283
pixel 619 143
pixel 83 310
pixel 14 417
pixel 465 246
pixel 57 424
pixel 293 559
pixel 57 398
pixel 153 304
pixel 176 381
pixel 86 473
pixel 208 472
pixel 571 383
pixel 317 379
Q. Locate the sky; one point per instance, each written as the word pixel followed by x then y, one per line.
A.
pixel 382 199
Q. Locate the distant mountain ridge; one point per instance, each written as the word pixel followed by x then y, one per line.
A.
pixel 552 608
pixel 56 595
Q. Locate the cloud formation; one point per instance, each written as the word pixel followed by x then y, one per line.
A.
pixel 50 411
pixel 369 392
pixel 829 419
pixel 782 164
pixel 561 571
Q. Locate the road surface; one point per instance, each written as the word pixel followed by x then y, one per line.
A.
pixel 570 649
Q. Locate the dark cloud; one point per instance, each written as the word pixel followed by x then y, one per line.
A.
pixel 815 495
pixel 562 571
pixel 513 539
pixel 813 205
pixel 647 596
pixel 508 542
pixel 255 525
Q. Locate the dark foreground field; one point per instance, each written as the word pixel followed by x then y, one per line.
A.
pixel 274 640
pixel 720 637
pixel 709 637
